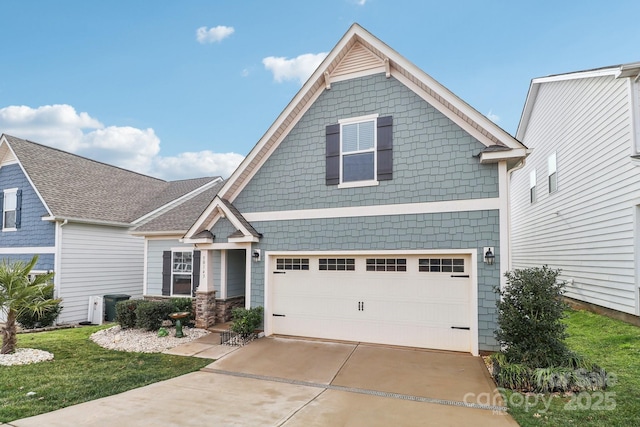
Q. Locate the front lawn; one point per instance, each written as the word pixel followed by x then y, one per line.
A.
pixel 81 371
pixel 610 343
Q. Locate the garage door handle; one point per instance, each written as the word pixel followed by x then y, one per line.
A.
pixel 279 315
pixel 459 275
pixel 466 328
pixel 279 272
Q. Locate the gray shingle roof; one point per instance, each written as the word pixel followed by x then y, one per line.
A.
pixel 182 216
pixel 77 187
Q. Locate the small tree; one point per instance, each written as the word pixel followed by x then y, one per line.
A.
pixel 18 295
pixel 529 318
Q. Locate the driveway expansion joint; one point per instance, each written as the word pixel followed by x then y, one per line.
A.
pixel 358 390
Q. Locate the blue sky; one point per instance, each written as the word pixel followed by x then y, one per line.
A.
pixel 185 89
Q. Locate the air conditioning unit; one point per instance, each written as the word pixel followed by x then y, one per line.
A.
pixel 96 310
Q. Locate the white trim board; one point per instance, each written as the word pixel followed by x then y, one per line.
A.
pixel 362 211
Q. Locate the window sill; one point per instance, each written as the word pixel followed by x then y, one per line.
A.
pixel 358 184
pixel 9 229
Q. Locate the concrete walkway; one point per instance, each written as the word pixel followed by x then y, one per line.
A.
pixel 290 382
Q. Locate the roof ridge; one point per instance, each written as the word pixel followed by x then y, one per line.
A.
pixel 59 150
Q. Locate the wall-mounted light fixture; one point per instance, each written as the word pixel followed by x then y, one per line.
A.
pixel 489 255
pixel 256 255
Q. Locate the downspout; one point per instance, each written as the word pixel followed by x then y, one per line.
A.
pixel 515 168
pixel 57 263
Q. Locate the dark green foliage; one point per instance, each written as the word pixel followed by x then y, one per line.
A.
pixel 31 320
pixel 150 314
pixel 522 378
pixel 245 322
pixel 530 311
pixel 126 313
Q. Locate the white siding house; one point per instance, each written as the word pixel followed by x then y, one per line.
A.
pixel 76 216
pixel 576 201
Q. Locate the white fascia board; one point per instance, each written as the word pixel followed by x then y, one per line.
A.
pixel 199 241
pixel 244 239
pixel 578 75
pixel 527 109
pixel 221 246
pixel 167 233
pixel 381 210
pixel 212 215
pixel 445 94
pixel 87 221
pixel 205 216
pixel 497 156
pixel 4 141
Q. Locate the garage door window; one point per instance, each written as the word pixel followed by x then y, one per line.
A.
pixel 337 264
pixel 292 263
pixel 386 264
pixel 441 265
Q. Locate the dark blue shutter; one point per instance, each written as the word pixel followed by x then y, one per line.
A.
pixel 2 208
pixel 195 276
pixel 166 273
pixel 385 148
pixel 18 208
pixel 333 155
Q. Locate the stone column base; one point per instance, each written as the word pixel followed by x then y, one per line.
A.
pixel 205 309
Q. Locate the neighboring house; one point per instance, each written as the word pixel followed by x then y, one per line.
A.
pixel 76 213
pixel 172 267
pixel 366 210
pixel 576 202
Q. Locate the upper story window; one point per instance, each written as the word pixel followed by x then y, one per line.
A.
pixel 552 173
pixel 359 151
pixel 532 186
pixel 11 209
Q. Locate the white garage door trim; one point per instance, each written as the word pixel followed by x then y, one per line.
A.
pixel 472 253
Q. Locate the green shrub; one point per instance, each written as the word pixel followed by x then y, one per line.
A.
pixel 126 313
pixel 519 377
pixel 150 314
pixel 530 310
pixel 31 320
pixel 245 322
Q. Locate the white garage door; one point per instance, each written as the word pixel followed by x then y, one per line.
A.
pixel 414 300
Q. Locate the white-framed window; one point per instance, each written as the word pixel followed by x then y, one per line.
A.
pixel 358 157
pixel 552 173
pixel 532 186
pixel 9 209
pixel 181 272
pixel 386 264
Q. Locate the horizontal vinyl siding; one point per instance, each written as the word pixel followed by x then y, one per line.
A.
pixel 586 227
pixel 97 260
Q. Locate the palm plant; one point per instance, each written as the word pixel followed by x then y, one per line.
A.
pixel 19 294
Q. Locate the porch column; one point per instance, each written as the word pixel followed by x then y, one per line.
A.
pixel 206 294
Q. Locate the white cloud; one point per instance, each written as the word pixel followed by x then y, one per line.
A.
pixel 298 68
pixel 493 117
pixel 202 163
pixel 361 2
pixel 214 34
pixel 131 148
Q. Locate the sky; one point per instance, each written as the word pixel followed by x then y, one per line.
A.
pixel 184 89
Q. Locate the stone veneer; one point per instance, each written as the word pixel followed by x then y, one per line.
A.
pixel 224 307
pixel 205 309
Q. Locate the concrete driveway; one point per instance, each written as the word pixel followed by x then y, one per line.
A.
pixel 289 382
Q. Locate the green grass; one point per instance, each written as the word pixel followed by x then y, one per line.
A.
pixel 81 371
pixel 615 346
